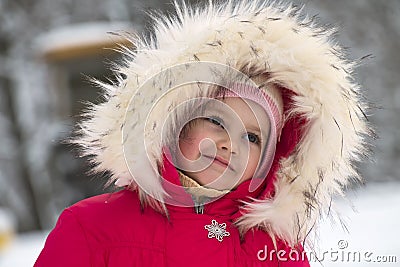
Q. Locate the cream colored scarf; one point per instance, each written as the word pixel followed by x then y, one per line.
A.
pixel 199 193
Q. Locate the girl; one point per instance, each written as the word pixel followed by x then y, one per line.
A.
pixel 229 132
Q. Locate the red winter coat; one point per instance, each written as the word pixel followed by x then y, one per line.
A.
pixel 113 230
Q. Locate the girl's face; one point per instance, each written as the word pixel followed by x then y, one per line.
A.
pixel 223 148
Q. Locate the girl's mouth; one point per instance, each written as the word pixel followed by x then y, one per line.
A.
pixel 220 161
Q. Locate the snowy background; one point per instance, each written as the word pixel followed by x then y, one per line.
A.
pixel 48 46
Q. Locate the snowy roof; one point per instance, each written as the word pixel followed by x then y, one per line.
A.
pixel 79 40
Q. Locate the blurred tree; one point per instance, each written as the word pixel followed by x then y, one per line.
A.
pixel 33 164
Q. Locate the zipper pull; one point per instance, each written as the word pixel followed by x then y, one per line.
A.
pixel 199 208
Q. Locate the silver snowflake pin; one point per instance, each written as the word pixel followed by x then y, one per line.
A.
pixel 216 230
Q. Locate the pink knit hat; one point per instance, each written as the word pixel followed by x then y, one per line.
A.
pixel 270 99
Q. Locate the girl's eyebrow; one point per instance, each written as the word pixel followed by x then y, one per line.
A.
pixel 214 109
pixel 254 129
pixel 219 111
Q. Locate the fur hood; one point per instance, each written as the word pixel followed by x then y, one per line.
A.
pixel 122 134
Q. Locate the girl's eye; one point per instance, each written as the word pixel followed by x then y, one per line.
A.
pixel 215 121
pixel 253 138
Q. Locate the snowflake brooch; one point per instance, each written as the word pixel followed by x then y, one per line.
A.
pixel 217 230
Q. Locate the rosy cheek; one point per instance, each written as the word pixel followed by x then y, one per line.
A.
pixel 253 160
pixel 186 147
pixel 190 147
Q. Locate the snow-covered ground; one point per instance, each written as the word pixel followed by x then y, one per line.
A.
pixel 24 250
pixel 374 234
pixel 373 237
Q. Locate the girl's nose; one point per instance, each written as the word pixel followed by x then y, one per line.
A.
pixel 226 143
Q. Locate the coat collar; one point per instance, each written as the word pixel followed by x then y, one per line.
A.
pixel 179 200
